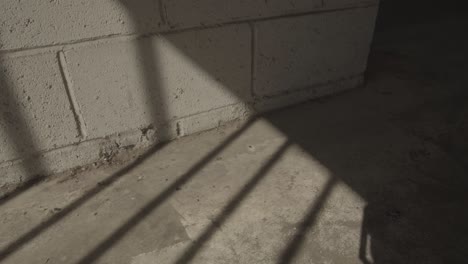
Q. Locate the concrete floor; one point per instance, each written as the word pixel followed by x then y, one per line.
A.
pixel 375 175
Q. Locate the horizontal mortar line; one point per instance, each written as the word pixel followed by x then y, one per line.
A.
pixel 47 151
pixel 135 130
pixel 131 36
pixel 109 138
pixel 254 20
pixel 65 45
pixel 103 139
pixel 37 154
pixel 312 86
pixel 261 19
pixel 240 103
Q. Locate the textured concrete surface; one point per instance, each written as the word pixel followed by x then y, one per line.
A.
pixel 374 175
pixel 132 84
pixel 34 106
pixel 261 182
pixel 212 119
pixel 180 13
pixel 312 92
pixel 45 23
pixel 89 77
pixel 71 157
pixel 26 24
pixel 329 45
pixel 161 87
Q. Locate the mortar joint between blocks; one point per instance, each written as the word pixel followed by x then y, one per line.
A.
pixel 74 105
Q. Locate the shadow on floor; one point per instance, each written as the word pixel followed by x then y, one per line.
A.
pixel 400 143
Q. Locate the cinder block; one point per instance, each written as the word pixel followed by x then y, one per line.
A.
pixel 54 161
pixel 183 13
pixel 300 96
pixel 73 156
pixel 35 113
pixel 300 52
pixel 38 23
pixel 214 118
pixel 127 85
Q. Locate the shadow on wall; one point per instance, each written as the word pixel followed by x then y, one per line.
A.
pixel 150 68
pixel 414 214
pixel 409 217
pixel 19 135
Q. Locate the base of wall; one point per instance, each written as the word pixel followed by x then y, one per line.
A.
pixel 98 151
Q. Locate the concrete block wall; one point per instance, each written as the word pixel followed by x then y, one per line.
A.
pixel 80 79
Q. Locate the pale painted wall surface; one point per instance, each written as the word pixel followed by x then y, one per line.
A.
pixel 82 78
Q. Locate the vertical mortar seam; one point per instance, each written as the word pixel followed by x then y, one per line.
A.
pixel 253 41
pixel 162 12
pixel 79 120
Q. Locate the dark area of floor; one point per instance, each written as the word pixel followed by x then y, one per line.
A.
pixel 424 41
pixel 421 50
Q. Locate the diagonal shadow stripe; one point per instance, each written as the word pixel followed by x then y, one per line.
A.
pixel 39 229
pixel 115 237
pixel 229 209
pixel 291 250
